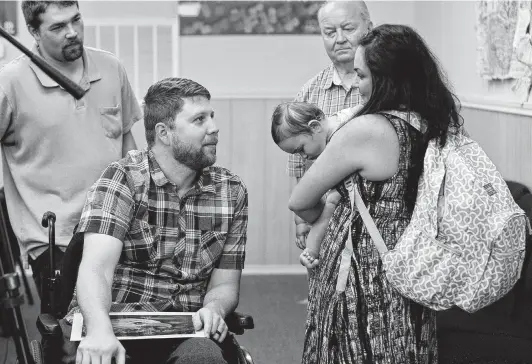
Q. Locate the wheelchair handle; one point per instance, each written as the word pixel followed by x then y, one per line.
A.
pixel 48 219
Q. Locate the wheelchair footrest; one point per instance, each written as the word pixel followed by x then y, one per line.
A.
pixel 48 325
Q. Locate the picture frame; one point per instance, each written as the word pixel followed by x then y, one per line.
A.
pixel 143 325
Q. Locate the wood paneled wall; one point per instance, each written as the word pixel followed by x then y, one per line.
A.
pixel 246 147
pixel 506 138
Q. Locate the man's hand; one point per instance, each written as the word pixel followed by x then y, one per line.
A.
pixel 302 229
pixel 212 322
pixel 100 348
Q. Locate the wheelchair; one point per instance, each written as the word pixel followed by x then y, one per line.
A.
pixel 64 280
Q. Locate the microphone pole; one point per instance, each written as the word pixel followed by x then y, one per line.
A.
pixel 65 82
pixel 10 297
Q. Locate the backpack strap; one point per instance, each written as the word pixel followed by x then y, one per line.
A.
pixel 376 236
pixel 356 200
pixel 347 252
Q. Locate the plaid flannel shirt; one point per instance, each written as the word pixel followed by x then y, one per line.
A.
pixel 171 245
pixel 326 91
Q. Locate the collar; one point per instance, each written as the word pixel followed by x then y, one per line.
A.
pixel 203 184
pixel 328 77
pixel 90 71
pixel 331 77
pixel 336 78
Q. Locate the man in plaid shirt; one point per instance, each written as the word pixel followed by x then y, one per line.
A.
pixel 342 25
pixel 164 230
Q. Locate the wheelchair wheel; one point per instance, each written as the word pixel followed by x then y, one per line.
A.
pixel 246 355
pixel 36 352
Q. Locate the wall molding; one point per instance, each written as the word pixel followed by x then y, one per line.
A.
pixel 271 270
pixel 495 105
pixel 269 96
pixel 477 102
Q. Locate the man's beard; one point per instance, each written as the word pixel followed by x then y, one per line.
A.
pixel 196 160
pixel 72 51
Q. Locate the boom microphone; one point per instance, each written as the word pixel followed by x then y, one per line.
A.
pixel 65 82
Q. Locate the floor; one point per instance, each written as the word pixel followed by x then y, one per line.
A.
pixel 277 304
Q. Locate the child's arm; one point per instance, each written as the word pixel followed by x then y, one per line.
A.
pixel 309 257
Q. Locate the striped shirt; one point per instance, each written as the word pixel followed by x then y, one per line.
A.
pixel 171 244
pixel 326 91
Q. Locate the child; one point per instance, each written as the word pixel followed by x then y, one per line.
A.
pixel 299 127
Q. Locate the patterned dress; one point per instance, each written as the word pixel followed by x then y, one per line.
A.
pixel 370 323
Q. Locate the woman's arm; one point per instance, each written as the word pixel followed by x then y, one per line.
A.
pixel 311 214
pixel 367 144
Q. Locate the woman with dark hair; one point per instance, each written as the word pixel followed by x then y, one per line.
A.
pixel 382 150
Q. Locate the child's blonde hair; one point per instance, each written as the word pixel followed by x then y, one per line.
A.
pixel 291 118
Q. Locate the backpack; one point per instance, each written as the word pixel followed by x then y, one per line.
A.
pixel 465 243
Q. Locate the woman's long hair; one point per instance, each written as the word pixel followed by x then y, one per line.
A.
pixel 406 76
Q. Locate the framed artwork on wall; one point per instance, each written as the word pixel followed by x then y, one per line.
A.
pixel 249 18
pixel 8 16
pixel 504 48
pixel 497 23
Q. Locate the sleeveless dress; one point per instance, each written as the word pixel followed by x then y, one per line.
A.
pixel 370 323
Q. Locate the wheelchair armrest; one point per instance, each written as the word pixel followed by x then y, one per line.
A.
pixel 238 322
pixel 48 325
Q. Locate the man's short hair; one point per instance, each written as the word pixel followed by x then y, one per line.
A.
pixel 32 10
pixel 362 9
pixel 164 100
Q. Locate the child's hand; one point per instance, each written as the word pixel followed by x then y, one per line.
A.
pixel 309 259
pixel 302 229
pixel 333 197
pixel 348 114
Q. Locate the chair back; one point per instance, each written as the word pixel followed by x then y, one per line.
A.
pixel 523 289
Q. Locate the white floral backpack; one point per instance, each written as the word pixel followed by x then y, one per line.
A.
pixel 465 243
